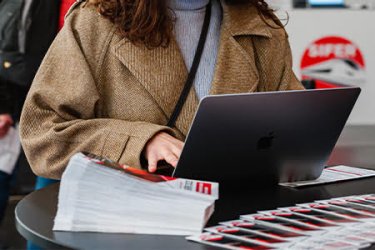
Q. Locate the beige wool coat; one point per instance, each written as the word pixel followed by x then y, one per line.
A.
pixel 99 93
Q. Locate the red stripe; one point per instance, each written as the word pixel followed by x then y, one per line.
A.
pixel 343 172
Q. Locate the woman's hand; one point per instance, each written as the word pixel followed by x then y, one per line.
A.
pixel 5 122
pixel 162 147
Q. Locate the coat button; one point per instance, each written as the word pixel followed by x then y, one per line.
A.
pixel 7 65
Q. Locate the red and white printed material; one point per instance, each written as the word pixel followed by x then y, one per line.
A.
pixel 366 201
pixel 319 215
pixel 365 213
pixel 332 230
pixel 248 237
pixel 289 216
pixel 349 214
pixel 345 227
pixel 315 235
pixel 332 53
pixel 349 205
pixel 278 223
pixel 274 233
pixel 97 197
pixel 311 32
pixel 334 174
pixel 319 243
pixel 369 197
pixel 339 223
pixel 224 242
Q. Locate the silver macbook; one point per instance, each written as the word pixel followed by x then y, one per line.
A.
pixel 268 136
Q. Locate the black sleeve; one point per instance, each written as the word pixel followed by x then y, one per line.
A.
pixel 12 98
pixel 19 94
pixel 44 26
pixel 5 97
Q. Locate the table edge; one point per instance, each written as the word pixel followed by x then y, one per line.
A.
pixel 33 236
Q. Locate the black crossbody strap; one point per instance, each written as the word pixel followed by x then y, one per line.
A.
pixel 194 68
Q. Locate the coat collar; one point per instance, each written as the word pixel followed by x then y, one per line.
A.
pixel 236 70
pixel 244 19
pixel 162 71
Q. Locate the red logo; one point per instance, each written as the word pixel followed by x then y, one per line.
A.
pixel 204 188
pixel 334 60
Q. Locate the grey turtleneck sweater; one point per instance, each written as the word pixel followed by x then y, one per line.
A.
pixel 189 21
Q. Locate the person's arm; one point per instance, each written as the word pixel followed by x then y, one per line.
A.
pixel 63 114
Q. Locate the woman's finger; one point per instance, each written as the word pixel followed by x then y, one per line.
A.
pixel 180 145
pixel 172 139
pixel 175 142
pixel 152 163
pixel 171 159
pixel 177 151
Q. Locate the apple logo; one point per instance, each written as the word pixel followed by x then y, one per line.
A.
pixel 266 141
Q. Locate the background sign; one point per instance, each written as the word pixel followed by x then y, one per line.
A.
pixel 337 46
pixel 333 60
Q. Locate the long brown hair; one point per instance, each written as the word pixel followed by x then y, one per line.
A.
pixel 149 22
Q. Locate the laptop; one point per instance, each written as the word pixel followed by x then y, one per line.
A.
pixel 279 136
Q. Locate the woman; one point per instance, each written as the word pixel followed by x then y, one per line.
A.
pixel 114 74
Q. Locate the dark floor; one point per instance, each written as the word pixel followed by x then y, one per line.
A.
pixel 9 237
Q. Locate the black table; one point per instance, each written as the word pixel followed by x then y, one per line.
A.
pixel 35 213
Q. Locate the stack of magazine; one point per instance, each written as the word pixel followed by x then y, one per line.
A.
pixel 97 195
pixel 340 223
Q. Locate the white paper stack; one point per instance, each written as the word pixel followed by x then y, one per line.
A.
pixel 334 174
pixel 95 197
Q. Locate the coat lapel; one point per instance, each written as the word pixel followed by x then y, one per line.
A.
pixel 236 70
pixel 163 73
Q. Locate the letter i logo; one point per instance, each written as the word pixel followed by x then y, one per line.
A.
pixel 204 188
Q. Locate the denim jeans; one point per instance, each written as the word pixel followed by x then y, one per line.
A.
pixel 40 183
pixel 5 184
